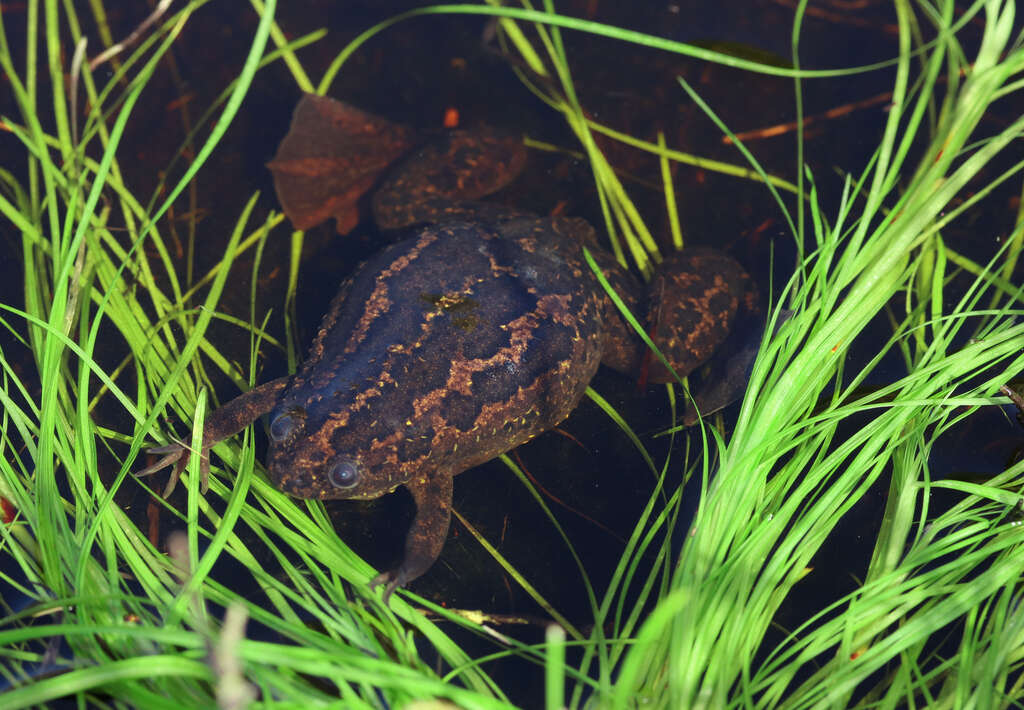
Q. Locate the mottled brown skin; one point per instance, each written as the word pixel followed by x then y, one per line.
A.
pixel 459 343
pixel 445 174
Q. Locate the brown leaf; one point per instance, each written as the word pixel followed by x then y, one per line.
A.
pixel 333 154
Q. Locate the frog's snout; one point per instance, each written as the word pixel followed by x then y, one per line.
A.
pixel 298 485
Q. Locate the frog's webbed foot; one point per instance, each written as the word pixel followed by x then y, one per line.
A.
pixel 426 536
pixel 176 455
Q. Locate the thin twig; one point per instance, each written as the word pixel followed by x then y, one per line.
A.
pixel 76 68
pixel 116 49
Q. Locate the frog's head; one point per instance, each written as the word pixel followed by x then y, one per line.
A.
pixel 324 457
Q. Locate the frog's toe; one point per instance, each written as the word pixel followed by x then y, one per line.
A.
pixel 176 456
pixel 416 562
pixel 392 580
pixel 172 453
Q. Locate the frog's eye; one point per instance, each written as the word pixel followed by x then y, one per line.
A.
pixel 344 475
pixel 285 424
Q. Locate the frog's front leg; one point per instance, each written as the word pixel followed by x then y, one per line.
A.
pixel 224 422
pixel 426 536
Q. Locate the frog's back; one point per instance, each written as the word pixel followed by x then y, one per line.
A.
pixel 450 348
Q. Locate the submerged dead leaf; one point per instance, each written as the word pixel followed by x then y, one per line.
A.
pixel 333 154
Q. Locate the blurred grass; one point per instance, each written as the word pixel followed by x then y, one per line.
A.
pixel 109 616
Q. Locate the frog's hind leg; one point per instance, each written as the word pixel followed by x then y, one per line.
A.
pixel 704 303
pixel 623 348
pixel 694 298
pixel 440 181
pixel 694 301
pixel 726 378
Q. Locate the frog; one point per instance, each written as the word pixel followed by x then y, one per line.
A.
pixel 477 328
